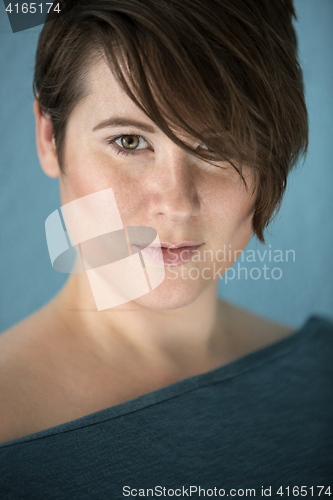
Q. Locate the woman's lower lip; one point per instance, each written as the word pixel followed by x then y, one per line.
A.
pixel 170 256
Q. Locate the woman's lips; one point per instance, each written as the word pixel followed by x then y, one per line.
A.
pixel 170 256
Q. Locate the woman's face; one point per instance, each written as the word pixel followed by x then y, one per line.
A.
pixel 111 143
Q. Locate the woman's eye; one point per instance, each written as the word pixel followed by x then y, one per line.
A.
pixel 131 142
pixel 203 146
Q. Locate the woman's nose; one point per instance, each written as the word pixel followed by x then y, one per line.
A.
pixel 176 192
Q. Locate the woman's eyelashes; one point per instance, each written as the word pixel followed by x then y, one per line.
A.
pixel 128 144
pixel 131 144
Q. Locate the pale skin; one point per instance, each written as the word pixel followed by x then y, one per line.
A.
pixel 69 360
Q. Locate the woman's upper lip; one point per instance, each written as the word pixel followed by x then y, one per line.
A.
pixel 165 244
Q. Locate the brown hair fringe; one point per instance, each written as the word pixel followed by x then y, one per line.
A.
pixel 224 71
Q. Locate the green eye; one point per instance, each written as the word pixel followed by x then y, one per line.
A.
pixel 130 141
pixel 129 144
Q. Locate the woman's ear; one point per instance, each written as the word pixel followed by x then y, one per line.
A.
pixel 46 147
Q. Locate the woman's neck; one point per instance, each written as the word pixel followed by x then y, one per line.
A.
pixel 174 335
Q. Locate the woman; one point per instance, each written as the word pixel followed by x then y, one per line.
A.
pixel 185 119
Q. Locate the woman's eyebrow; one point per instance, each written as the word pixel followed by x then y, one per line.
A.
pixel 117 121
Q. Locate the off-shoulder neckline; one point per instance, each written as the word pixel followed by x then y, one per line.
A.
pixel 222 373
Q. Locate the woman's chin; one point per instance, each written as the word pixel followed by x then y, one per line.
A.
pixel 172 294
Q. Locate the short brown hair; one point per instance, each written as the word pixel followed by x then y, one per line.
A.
pixel 224 71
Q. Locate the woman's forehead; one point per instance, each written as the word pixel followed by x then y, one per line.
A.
pixel 105 98
pixel 108 103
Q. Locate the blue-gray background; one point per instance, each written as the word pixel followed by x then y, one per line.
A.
pixel 304 224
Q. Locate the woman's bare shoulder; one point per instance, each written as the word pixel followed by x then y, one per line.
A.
pixel 22 342
pixel 48 378
pixel 16 362
pixel 23 358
